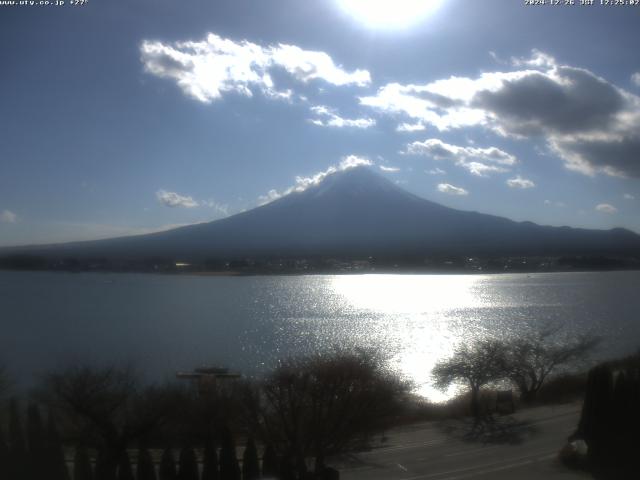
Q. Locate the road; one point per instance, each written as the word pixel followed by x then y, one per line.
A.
pixel 523 446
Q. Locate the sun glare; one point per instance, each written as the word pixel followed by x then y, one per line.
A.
pixel 425 325
pixel 389 14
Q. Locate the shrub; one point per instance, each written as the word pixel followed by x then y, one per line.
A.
pixel 250 466
pixel 82 465
pixel 145 469
pixel 210 463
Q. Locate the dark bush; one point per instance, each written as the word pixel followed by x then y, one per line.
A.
pixel 269 463
pixel 229 468
pixel 106 467
pixel 18 459
pixel 56 462
pixel 610 420
pixel 188 465
pixel 563 389
pixel 210 463
pixel 168 466
pixel 4 457
pixel 36 439
pixel 250 466
pixel 82 465
pixel 145 469
pixel 125 472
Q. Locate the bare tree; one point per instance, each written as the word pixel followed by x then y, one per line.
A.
pixel 475 366
pixel 531 359
pixel 106 407
pixel 316 406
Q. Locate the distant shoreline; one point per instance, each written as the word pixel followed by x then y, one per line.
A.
pixel 406 271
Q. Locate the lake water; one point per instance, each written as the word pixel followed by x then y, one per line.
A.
pixel 165 323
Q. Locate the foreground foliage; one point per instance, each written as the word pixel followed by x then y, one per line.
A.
pixel 525 362
pixel 318 406
pixel 610 419
pixel 115 427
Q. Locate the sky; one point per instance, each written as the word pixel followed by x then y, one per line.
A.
pixel 125 117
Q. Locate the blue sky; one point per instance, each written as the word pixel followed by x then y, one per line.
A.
pixel 123 117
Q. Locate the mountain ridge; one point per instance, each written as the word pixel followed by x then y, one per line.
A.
pixel 355 212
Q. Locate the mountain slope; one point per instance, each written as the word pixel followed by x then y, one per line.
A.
pixel 356 212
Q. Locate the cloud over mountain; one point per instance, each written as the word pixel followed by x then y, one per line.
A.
pixel 7 216
pixel 303 183
pixel 173 199
pixel 451 189
pixel 606 208
pixel 519 182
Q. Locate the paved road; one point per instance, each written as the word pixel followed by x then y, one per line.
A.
pixel 523 446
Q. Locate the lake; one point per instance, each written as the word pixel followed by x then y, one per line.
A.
pixel 165 323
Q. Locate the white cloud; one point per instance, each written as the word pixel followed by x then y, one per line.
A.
pixel 353 161
pixel 585 120
pixel 302 183
pixel 538 59
pixel 496 58
pixel 207 69
pixel 7 216
pixel 435 171
pixel 440 150
pixel 411 127
pixel 519 182
pixel 478 161
pixel 218 207
pixel 635 79
pixel 482 169
pixel 389 169
pixel 173 199
pixel 451 189
pixel 606 208
pixel 329 118
pixel 270 196
pixel 306 65
pixel 423 106
pixel 628 196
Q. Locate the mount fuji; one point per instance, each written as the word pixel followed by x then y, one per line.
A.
pixel 351 213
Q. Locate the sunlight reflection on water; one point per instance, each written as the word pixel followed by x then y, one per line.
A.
pixel 165 323
pixel 418 326
pixel 416 320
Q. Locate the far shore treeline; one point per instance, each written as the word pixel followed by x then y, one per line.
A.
pixel 322 264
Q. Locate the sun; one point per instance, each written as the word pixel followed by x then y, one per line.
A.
pixel 389 14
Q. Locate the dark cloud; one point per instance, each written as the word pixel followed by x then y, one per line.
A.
pixel 590 123
pixel 439 101
pixel 563 101
pixel 615 156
